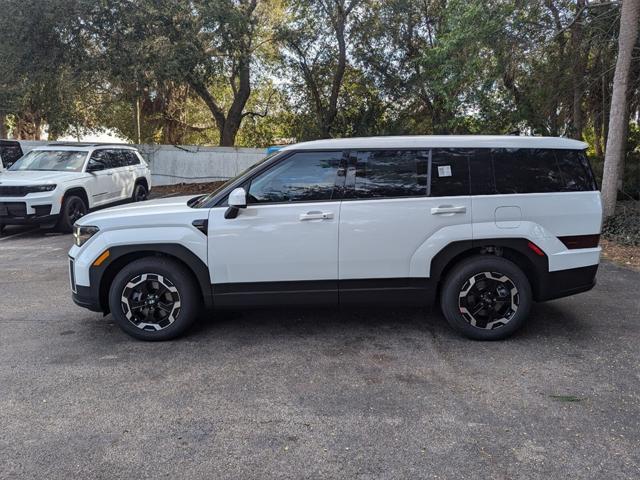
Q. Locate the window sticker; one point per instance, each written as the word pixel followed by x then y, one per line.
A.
pixel 444 171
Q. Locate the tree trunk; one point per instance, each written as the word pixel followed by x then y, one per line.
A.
pixel 3 126
pixel 578 74
pixel 615 141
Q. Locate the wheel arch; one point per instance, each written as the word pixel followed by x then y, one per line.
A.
pixel 77 191
pixel 120 256
pixel 517 250
pixel 143 181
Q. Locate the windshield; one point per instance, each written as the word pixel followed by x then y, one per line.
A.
pixel 51 160
pixel 204 199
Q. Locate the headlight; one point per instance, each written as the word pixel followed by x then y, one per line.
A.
pixel 82 233
pixel 42 188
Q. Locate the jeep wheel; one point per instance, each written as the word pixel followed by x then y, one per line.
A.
pixel 140 192
pixel 486 297
pixel 73 209
pixel 154 298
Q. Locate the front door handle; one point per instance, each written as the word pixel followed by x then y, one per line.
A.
pixel 448 210
pixel 316 216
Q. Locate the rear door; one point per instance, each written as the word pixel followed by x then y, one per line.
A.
pixel 400 209
pixel 102 183
pixel 123 174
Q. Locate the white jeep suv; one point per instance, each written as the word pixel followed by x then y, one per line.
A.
pixel 58 184
pixel 485 225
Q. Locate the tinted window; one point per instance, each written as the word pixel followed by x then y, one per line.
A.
pixel 305 176
pixel 103 157
pixel 449 172
pixel 129 158
pixel 481 172
pixel 526 170
pixel 10 152
pixel 391 173
pixel 575 170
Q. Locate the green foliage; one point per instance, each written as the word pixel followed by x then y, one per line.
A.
pixel 624 226
pixel 256 71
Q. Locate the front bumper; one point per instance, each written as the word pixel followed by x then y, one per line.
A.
pixel 85 297
pixel 23 213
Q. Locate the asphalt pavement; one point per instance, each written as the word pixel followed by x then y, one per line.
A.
pixel 312 394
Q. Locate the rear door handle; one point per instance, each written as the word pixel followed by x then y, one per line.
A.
pixel 448 210
pixel 316 216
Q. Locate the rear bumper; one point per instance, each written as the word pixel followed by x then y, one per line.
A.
pixel 563 283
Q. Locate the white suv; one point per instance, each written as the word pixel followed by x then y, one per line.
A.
pixel 58 184
pixel 485 225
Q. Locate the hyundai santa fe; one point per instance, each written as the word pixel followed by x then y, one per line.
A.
pixel 482 225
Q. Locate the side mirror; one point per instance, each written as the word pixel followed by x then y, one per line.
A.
pixel 237 200
pixel 95 166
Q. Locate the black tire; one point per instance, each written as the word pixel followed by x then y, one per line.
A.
pixel 73 208
pixel 140 193
pixel 127 299
pixel 484 285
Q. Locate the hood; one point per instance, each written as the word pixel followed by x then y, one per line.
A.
pixel 32 177
pixel 152 213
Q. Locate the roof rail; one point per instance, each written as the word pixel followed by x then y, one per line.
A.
pixel 71 144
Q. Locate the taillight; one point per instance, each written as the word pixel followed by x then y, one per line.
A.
pixel 580 241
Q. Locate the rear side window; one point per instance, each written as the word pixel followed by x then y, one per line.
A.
pixel 303 177
pixel 391 173
pixel 449 172
pixel 527 170
pixel 130 158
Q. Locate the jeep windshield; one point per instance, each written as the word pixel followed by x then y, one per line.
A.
pixel 51 160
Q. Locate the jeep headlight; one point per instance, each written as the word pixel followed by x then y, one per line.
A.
pixel 82 233
pixel 42 188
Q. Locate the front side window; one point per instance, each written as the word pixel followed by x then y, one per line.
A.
pixel 302 177
pixel 51 160
pixel 391 173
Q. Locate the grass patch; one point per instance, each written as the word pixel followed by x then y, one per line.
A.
pixel 566 398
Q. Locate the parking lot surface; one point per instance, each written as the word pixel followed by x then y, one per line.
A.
pixel 297 393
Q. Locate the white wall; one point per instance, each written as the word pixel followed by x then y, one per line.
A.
pixel 189 163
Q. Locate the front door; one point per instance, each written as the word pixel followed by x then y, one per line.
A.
pixel 282 248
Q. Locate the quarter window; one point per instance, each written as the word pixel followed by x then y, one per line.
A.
pixel 303 177
pixel 391 173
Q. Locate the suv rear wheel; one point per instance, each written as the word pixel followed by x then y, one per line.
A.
pixel 486 297
pixel 140 192
pixel 154 298
pixel 73 208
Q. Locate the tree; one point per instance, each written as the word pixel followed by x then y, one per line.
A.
pixel 318 55
pixel 618 118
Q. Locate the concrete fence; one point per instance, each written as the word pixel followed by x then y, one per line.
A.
pixel 189 163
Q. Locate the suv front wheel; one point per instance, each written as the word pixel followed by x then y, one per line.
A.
pixel 486 297
pixel 154 298
pixel 73 209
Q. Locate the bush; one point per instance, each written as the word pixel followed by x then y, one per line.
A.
pixel 624 226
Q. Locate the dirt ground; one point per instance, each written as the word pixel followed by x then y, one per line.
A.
pixel 185 189
pixel 627 256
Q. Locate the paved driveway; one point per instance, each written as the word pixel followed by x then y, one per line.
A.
pixel 313 393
